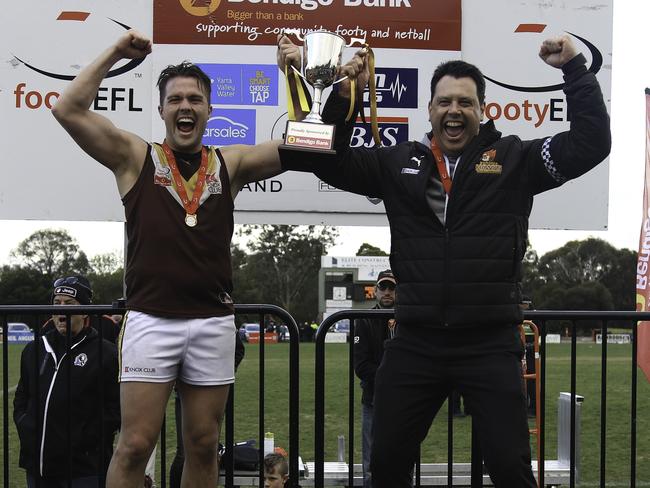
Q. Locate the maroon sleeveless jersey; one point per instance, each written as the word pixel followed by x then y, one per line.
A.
pixel 173 270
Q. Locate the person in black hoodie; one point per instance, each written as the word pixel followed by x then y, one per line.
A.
pixel 369 338
pixel 61 436
pixel 458 205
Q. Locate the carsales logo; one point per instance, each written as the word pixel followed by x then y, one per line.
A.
pixel 230 126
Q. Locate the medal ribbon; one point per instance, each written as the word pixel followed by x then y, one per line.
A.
pixel 190 206
pixel 442 167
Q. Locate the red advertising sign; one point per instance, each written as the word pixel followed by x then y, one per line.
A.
pixel 406 24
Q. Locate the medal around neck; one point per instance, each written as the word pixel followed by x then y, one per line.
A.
pixel 191 220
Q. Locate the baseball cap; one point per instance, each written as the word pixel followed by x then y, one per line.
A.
pixel 77 287
pixel 386 275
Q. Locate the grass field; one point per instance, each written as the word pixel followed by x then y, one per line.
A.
pixel 434 449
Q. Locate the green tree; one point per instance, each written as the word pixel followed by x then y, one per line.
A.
pixel 369 250
pixel 53 253
pixel 281 266
pixel 583 275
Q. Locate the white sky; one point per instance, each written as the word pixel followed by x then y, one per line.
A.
pixel 630 76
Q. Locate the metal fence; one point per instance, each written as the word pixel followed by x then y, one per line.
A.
pixel 451 475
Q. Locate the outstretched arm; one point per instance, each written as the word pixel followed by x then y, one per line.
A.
pixel 120 151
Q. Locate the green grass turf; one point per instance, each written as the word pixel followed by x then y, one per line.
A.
pixel 434 449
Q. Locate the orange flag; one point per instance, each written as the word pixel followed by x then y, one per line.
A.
pixel 643 263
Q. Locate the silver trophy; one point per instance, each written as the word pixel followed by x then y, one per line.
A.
pixel 322 54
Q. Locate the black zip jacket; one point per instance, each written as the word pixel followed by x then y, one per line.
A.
pixel 42 419
pixel 466 272
pixel 369 338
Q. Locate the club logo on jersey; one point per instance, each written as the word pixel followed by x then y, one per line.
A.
pixel 213 184
pixel 162 176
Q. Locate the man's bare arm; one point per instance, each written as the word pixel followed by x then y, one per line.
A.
pixel 120 151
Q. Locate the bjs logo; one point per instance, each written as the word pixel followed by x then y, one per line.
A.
pixel 396 88
pixel 392 131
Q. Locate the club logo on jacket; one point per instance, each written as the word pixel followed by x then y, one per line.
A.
pixel 488 165
pixel 162 176
pixel 81 360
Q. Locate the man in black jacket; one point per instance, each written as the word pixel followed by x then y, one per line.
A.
pixel 456 252
pixel 77 363
pixel 369 338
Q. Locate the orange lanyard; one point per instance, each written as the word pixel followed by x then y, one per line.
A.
pixel 442 166
pixel 190 206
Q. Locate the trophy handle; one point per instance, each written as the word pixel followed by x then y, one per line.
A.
pixel 299 73
pixel 339 80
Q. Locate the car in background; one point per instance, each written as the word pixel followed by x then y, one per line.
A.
pixel 246 329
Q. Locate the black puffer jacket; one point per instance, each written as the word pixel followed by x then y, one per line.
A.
pixel 466 272
pixel 94 388
pixel 369 338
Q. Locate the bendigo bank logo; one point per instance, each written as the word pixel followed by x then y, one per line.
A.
pixel 200 8
pixel 392 131
pixel 230 126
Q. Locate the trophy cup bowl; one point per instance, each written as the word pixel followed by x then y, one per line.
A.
pixel 322 53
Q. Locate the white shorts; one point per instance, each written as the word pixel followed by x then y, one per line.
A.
pixel 196 351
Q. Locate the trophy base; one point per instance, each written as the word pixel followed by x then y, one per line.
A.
pixel 307 144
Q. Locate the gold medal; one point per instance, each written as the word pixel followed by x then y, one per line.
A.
pixel 191 220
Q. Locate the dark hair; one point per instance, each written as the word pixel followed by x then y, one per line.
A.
pixel 273 460
pixel 186 69
pixel 459 69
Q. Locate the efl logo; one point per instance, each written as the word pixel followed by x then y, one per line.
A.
pixel 396 88
pixel 230 126
pixel 69 16
pixel 392 131
pixel 243 84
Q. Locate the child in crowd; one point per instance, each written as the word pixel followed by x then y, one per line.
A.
pixel 276 470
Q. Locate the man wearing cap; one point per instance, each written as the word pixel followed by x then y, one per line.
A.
pixel 67 362
pixel 369 338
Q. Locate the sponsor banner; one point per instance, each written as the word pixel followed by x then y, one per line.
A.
pixel 243 84
pixel 20 337
pixel 396 88
pixel 404 24
pixel 41 52
pixel 230 126
pixel 524 95
pixel 642 270
pixel 392 131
